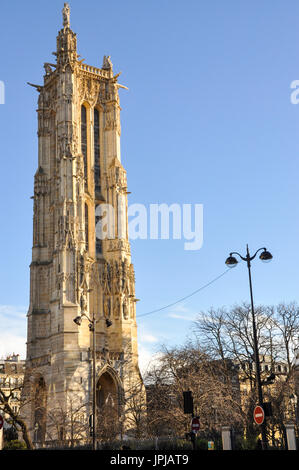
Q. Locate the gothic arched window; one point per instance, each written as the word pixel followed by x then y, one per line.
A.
pixel 96 140
pixel 84 140
pixel 86 227
pixel 99 247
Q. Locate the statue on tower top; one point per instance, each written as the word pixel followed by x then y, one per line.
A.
pixel 66 15
pixel 107 64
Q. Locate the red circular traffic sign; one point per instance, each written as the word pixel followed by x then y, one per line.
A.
pixel 1 422
pixel 258 415
pixel 195 424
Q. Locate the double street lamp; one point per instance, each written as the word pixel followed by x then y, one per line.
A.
pixel 231 262
pixel 92 327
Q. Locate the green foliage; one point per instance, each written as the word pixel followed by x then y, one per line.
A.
pixel 250 443
pixel 182 444
pixel 10 434
pixel 177 444
pixel 201 444
pixel 15 445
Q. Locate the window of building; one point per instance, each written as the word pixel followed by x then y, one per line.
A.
pixel 96 140
pixel 86 228
pixel 99 247
pixel 84 140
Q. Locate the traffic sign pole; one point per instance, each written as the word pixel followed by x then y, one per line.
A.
pixel 195 424
pixel 259 415
pixel 1 432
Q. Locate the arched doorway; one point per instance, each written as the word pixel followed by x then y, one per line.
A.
pixel 107 407
pixel 107 393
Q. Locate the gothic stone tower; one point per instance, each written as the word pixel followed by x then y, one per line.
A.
pixel 72 271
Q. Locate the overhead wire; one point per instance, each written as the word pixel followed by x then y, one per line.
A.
pixel 184 298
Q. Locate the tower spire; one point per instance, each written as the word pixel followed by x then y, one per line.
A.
pixel 66 41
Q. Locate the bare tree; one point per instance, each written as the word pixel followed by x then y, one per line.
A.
pixel 134 407
pixel 228 335
pixel 213 383
pixel 10 396
pixel 286 318
pixel 69 426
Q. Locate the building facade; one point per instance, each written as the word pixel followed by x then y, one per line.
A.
pixel 81 263
pixel 12 370
pixel 279 394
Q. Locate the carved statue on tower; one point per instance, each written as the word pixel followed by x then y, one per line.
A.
pixel 107 64
pixel 66 15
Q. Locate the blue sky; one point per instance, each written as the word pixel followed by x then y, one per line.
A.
pixel 207 119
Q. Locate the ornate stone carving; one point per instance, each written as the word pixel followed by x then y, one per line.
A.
pixel 83 302
pixel 40 182
pixel 117 177
pixel 112 119
pixel 48 68
pixel 88 90
pixel 66 15
pixel 116 307
pixel 107 64
pixel 119 245
pixel 125 309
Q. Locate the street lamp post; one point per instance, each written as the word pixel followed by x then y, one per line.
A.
pixel 232 262
pixel 92 327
